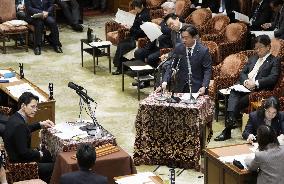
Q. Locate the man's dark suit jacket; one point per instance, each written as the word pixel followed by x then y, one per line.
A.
pixel 279 22
pixel 17 139
pixel 38 6
pixel 260 15
pixel 135 30
pixel 82 177
pixel 267 74
pixel 255 121
pixel 200 67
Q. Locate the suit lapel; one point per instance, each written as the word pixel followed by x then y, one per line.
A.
pixel 264 64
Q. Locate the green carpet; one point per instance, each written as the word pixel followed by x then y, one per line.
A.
pixel 116 110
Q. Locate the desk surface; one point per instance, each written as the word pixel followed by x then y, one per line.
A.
pixel 113 165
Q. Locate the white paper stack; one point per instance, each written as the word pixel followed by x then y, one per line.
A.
pixel 140 178
pixel 152 30
pixel 98 44
pixel 240 88
pixel 18 90
pixel 124 18
pixel 137 68
pixel 241 158
pixel 241 17
pixel 268 33
pixel 66 131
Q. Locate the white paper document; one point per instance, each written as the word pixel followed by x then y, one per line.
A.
pixel 124 18
pixel 226 91
pixel 66 131
pixel 137 68
pixel 98 44
pixel 241 158
pixel 140 178
pixel 254 147
pixel 268 33
pixel 241 17
pixel 152 30
pixel 12 79
pixel 18 90
pixel 240 88
pixel 186 96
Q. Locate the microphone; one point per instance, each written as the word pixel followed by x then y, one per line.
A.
pixel 75 86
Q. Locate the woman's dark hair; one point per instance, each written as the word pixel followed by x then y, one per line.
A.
pixel 171 15
pixel 269 102
pixel 190 29
pixel 138 3
pixel 86 156
pixel 26 98
pixel 265 136
pixel 263 39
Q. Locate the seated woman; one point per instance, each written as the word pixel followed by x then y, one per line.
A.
pixel 269 160
pixel 268 115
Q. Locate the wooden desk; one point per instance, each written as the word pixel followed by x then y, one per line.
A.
pixel 46 110
pixel 217 172
pixel 113 165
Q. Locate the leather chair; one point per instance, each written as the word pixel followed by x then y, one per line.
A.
pixel 183 8
pixel 277 48
pixel 150 4
pixel 225 75
pixel 8 12
pixel 215 25
pixel 213 50
pixel 231 40
pixel 199 18
pixel 281 99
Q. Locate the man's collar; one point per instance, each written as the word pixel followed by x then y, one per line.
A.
pixel 266 56
pixel 22 115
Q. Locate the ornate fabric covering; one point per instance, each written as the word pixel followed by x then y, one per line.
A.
pixel 8 10
pixel 12 29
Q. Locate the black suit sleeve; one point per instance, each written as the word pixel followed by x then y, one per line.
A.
pixel 207 68
pixel 31 10
pixel 50 7
pixel 272 78
pixel 264 16
pixel 249 129
pixel 21 140
pixel 281 117
pixel 245 70
pixel 34 127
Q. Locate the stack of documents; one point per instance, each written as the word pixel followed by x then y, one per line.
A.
pixel 241 158
pixel 66 131
pixel 3 78
pixel 98 44
pixel 240 88
pixel 18 90
pixel 152 30
pixel 140 178
pixel 124 18
pixel 241 17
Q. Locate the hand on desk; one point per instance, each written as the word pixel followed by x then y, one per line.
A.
pixel 251 138
pixel 46 124
pixel 201 91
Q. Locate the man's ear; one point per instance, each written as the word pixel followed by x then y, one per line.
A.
pixel 23 105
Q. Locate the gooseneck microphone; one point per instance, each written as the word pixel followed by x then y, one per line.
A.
pixel 75 86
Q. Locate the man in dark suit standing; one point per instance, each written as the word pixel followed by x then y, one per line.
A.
pixel 46 8
pixel 260 73
pixel 193 60
pixel 86 157
pixel 17 136
pixel 278 23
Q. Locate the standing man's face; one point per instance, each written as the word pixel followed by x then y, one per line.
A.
pixel 174 24
pixel 30 109
pixel 187 39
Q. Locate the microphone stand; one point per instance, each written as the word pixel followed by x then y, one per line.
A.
pixel 191 99
pixel 159 68
pixel 174 99
pixel 95 129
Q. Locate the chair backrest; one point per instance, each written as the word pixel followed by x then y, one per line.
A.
pixel 218 23
pixel 199 17
pixel 281 103
pixel 7 10
pixel 235 32
pixel 154 3
pixel 233 64
pixel 277 48
pixel 213 50
pixel 180 5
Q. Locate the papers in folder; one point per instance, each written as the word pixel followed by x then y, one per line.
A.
pixel 18 90
pixel 98 44
pixel 124 18
pixel 241 17
pixel 268 33
pixel 66 131
pixel 186 96
pixel 240 88
pixel 152 30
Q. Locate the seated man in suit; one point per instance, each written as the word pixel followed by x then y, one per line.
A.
pixel 260 73
pixel 129 43
pixel 17 136
pixel 46 8
pixel 193 59
pixel 86 158
pixel 261 14
pixel 71 11
pixel 278 23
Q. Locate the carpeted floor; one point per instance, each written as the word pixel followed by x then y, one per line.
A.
pixel 116 110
